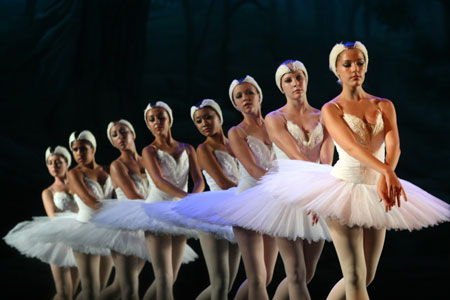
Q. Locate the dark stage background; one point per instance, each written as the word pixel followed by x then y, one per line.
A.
pixel 71 65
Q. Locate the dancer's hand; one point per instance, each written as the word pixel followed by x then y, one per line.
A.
pixel 314 216
pixel 394 188
pixel 383 193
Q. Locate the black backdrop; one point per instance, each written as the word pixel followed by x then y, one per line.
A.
pixel 77 64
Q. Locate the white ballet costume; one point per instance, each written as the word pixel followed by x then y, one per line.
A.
pixel 168 211
pixel 262 213
pixel 347 191
pixel 208 206
pixel 78 232
pixel 22 236
pixel 139 214
pixel 123 241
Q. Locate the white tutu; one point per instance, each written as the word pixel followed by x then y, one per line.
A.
pixel 138 215
pixel 255 211
pixel 314 187
pixel 125 242
pixel 66 229
pixel 166 211
pixel 22 237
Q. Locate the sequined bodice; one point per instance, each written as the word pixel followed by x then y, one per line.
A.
pixel 369 136
pixel 85 213
pixel 175 171
pixel 141 184
pixel 229 166
pixel 309 143
pixel 263 155
pixel 63 201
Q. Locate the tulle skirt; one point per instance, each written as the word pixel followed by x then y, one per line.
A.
pixel 22 237
pixel 296 185
pixel 166 211
pixel 253 210
pixel 138 215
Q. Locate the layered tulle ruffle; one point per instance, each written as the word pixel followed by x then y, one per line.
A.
pixel 23 238
pixel 253 210
pixel 138 215
pixel 296 184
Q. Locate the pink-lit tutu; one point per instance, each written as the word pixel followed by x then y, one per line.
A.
pixel 335 192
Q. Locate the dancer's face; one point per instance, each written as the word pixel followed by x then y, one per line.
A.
pixel 246 98
pixel 82 152
pixel 121 136
pixel 294 84
pixel 158 121
pixel 207 121
pixel 351 67
pixel 57 165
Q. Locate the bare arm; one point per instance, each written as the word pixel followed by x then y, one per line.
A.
pixel 121 177
pixel 78 186
pixel 209 163
pixel 194 169
pixel 327 148
pixel 392 142
pixel 151 164
pixel 278 133
pixel 49 205
pixel 243 153
pixel 392 138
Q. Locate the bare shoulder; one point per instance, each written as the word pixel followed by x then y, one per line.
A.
pixel 204 148
pixel 149 150
pixel 117 166
pixel 188 147
pixel 75 173
pixel 275 117
pixel 331 107
pixel 47 193
pixel 385 104
pixel 235 132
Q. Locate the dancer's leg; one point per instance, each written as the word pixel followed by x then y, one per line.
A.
pixel 127 270
pixel 294 265
pixel 160 249
pixel 373 246
pixel 106 265
pixel 252 249
pixel 63 282
pixel 282 291
pixel 112 291
pixel 89 269
pixel 178 249
pixel 215 252
pixel 234 259
pixel 75 278
pixel 349 245
pixel 312 252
